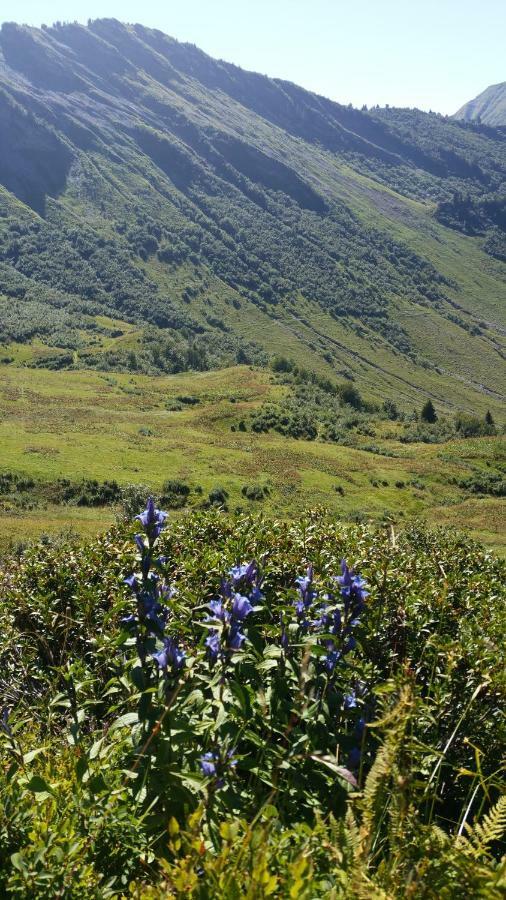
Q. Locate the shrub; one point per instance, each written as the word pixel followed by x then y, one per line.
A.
pixel 255 491
pixel 188 400
pixel 174 494
pixel 218 496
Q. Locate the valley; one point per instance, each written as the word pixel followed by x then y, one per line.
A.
pixel 141 430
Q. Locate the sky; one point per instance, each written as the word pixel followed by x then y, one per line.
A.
pixel 432 54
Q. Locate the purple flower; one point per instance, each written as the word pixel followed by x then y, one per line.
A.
pixel 359 727
pixel 152 520
pixel 350 700
pixel 304 583
pixel 306 596
pixel 170 656
pixel 236 638
pixel 349 645
pixel 352 590
pixel 245 572
pixel 139 540
pixel 241 607
pixel 167 591
pixel 208 764
pixel 331 659
pixel 212 765
pixel 132 583
pixel 213 645
pixel 256 594
pixel 219 612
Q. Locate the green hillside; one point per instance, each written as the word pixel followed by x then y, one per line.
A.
pixel 164 212
pixel 489 106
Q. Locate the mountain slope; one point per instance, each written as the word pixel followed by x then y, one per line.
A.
pixel 162 211
pixel 489 106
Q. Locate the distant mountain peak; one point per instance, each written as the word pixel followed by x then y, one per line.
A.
pixel 489 106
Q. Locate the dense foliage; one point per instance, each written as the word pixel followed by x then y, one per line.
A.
pixel 315 408
pixel 226 707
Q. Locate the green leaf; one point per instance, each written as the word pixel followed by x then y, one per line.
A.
pixel 18 862
pixel 27 757
pixel 95 748
pixel 131 718
pixel 340 771
pixel 39 785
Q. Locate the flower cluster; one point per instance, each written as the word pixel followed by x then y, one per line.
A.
pixel 337 616
pixel 307 595
pixel 152 594
pixel 239 594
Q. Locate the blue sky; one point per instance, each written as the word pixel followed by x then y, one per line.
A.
pixel 434 54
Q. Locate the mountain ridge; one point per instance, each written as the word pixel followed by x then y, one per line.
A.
pixel 222 215
pixel 488 107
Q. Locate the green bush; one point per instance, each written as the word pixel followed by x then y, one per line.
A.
pixel 255 491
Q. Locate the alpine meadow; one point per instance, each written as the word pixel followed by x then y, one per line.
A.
pixel 252 482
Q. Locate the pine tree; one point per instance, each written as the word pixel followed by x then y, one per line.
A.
pixel 428 413
pixel 489 419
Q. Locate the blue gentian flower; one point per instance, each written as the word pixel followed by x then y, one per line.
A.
pixel 245 572
pixel 153 520
pixel 208 764
pixel 350 700
pixel 331 659
pixel 304 584
pixel 349 645
pixel 241 607
pixel 236 638
pixel 166 591
pixel 170 656
pixel 359 727
pixel 153 612
pixel 139 540
pixel 215 766
pixel 213 645
pixel 219 611
pixel 132 583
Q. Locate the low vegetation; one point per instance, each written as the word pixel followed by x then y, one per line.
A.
pixel 234 707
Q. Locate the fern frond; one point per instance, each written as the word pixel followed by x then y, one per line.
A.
pixel 379 774
pixel 364 888
pixel 491 829
pixel 351 833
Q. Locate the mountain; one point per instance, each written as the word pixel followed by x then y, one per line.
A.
pixel 161 211
pixel 489 106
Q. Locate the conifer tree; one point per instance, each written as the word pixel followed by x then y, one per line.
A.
pixel 428 413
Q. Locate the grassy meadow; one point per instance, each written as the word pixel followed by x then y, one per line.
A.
pixel 132 429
